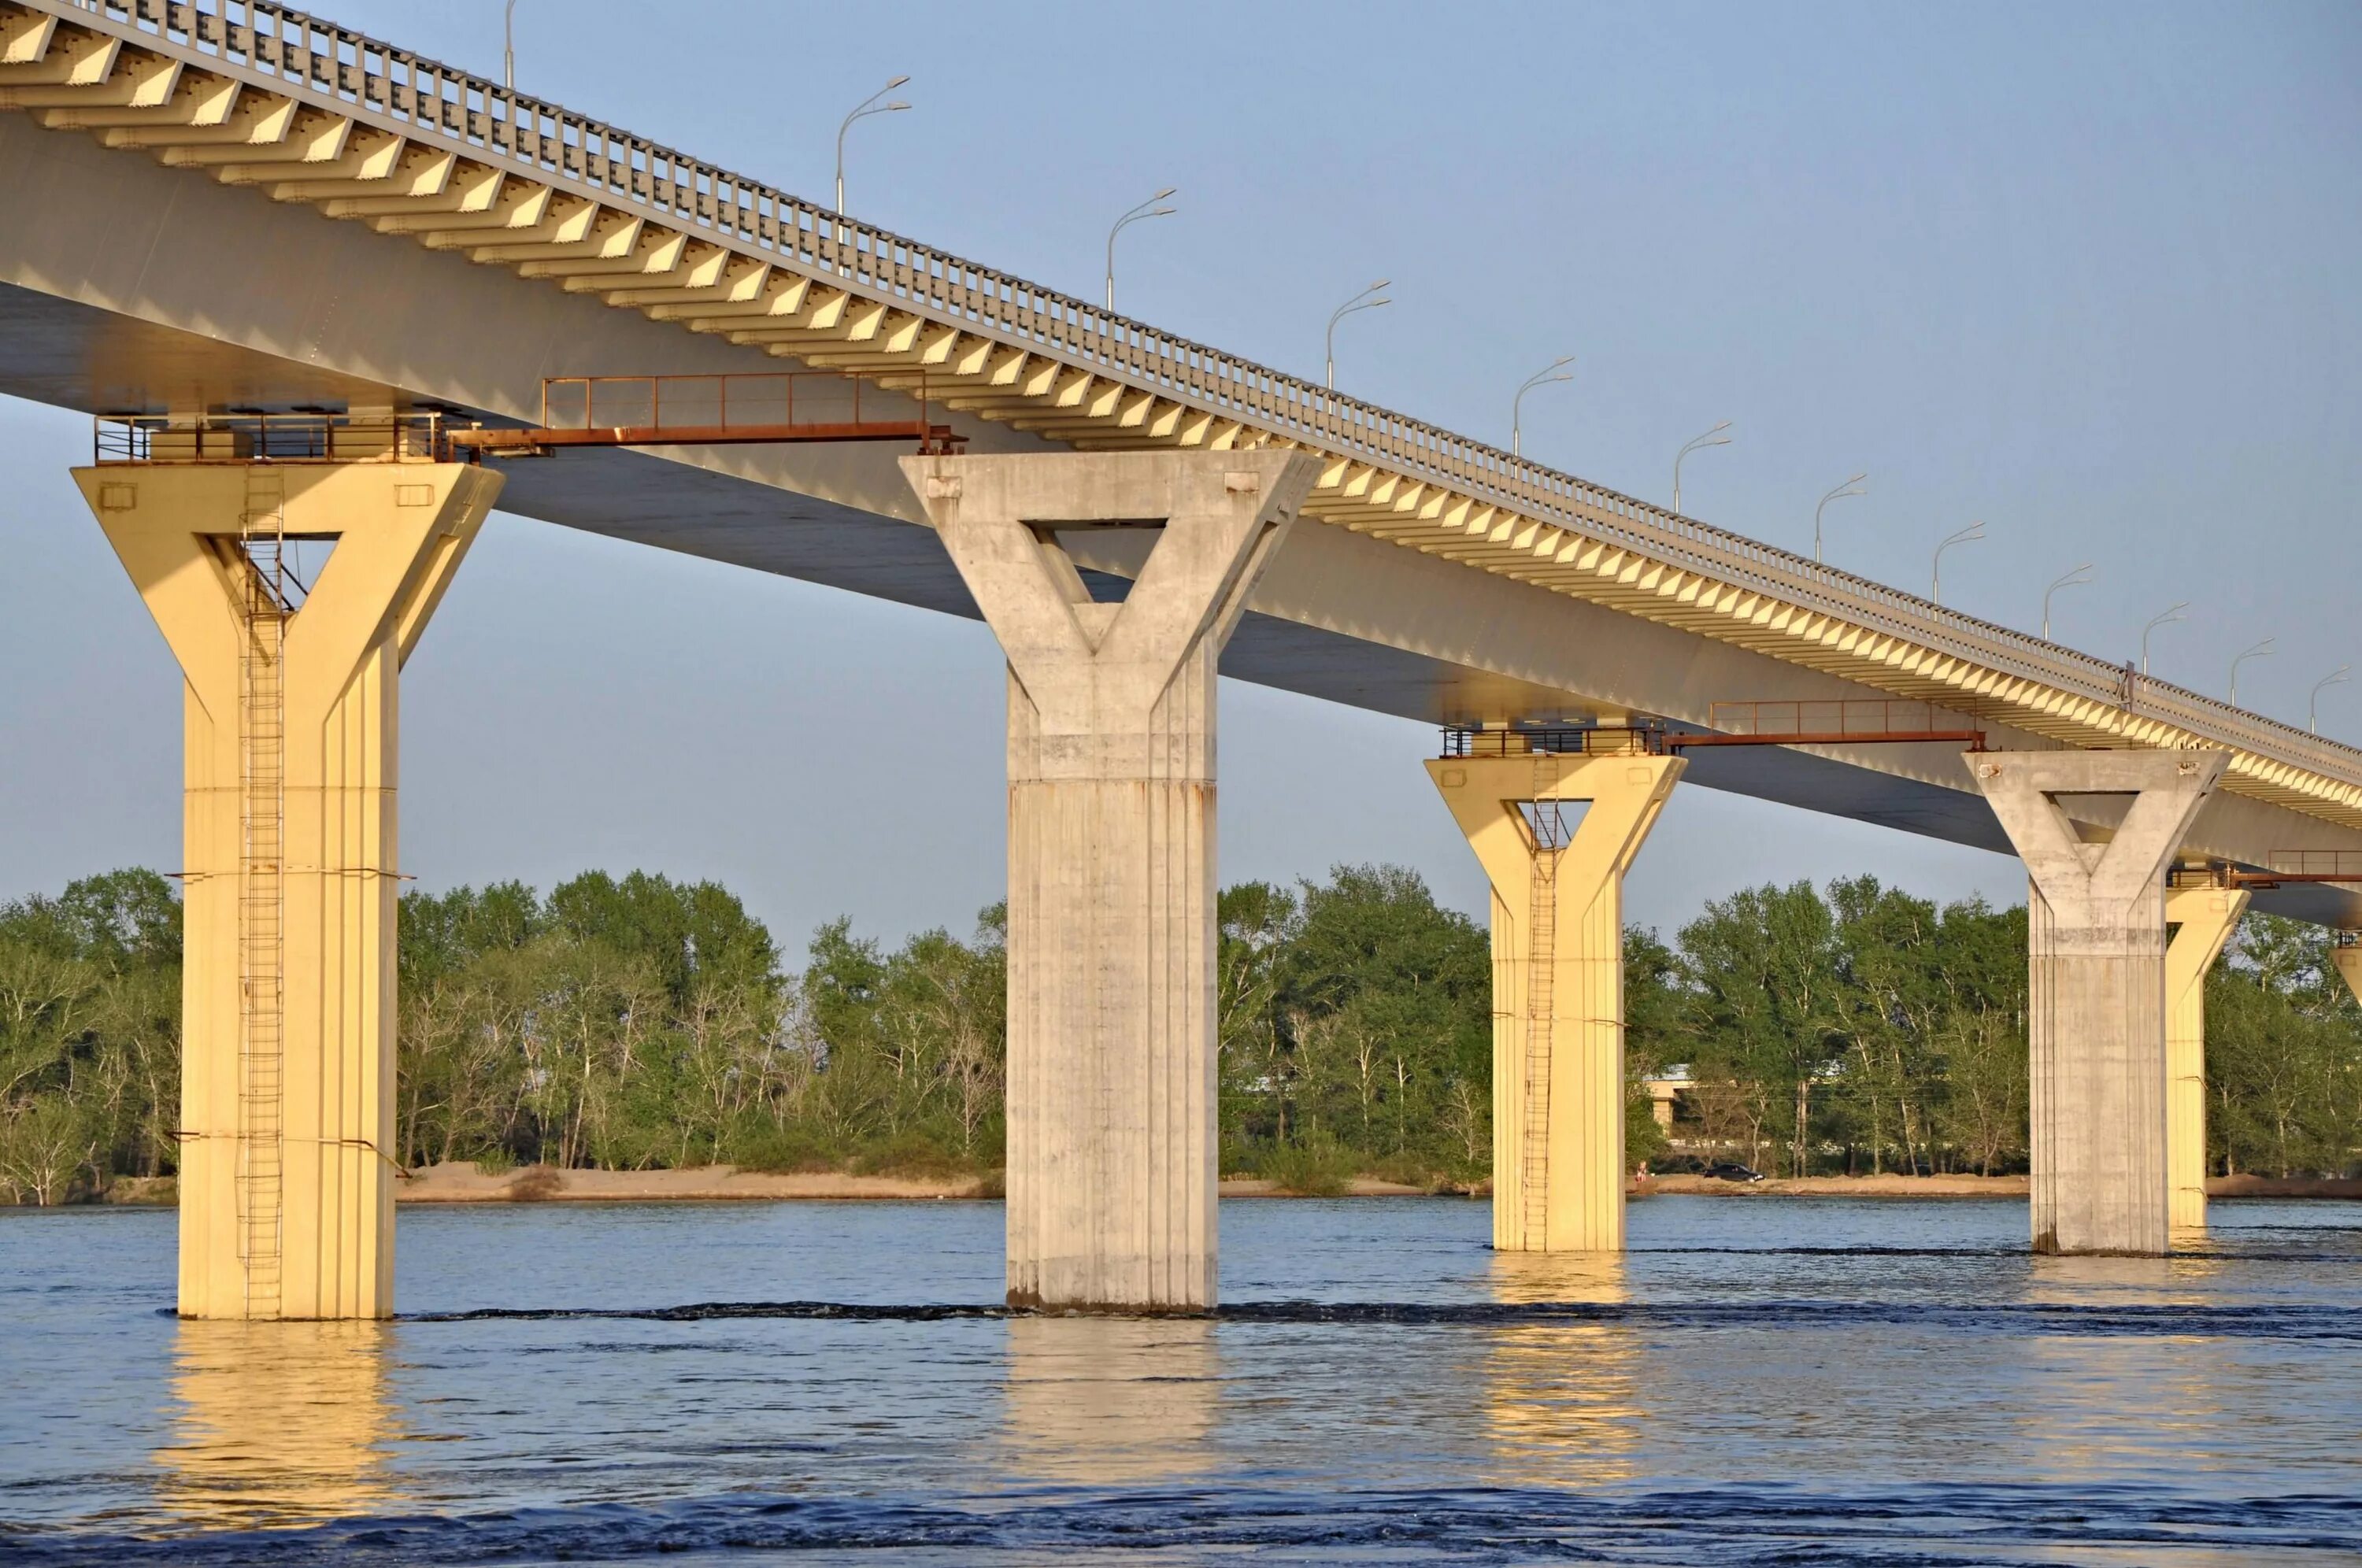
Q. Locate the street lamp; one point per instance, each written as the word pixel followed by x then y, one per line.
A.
pixel 508 45
pixel 1850 487
pixel 2338 677
pixel 2261 650
pixel 862 111
pixel 1359 302
pixel 2072 579
pixel 1147 209
pixel 1967 536
pixel 1543 376
pixel 1713 438
pixel 2164 618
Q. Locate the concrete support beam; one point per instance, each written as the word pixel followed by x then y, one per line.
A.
pixel 290 733
pixel 2203 919
pixel 2347 957
pixel 2096 934
pixel 1111 1024
pixel 1558 980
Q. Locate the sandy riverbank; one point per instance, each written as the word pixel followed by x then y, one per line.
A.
pixel 1969 1187
pixel 463 1183
pixel 1839 1186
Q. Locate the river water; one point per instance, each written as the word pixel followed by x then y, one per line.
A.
pixel 1758 1380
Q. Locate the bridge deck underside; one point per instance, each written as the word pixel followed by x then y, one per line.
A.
pixel 79 356
pixel 169 307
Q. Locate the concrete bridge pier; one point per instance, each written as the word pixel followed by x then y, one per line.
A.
pixel 287 997
pixel 2203 919
pixel 1111 1151
pixel 2096 919
pixel 1557 978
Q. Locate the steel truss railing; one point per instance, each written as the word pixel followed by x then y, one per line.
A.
pixel 294 52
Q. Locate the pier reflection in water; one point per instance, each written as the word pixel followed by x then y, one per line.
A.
pixel 2084 1431
pixel 278 1424
pixel 1760 1377
pixel 1563 1398
pixel 1106 1401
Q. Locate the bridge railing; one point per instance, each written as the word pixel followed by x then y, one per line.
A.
pixel 410 94
pixel 419 437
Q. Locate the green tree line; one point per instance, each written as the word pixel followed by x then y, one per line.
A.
pixel 639 1022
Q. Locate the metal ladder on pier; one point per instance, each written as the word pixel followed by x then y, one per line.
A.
pixel 261 925
pixel 1548 826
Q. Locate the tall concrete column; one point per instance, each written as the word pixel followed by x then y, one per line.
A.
pixel 2095 918
pixel 1111 1026
pixel 2202 919
pixel 2347 957
pixel 1558 979
pixel 287 988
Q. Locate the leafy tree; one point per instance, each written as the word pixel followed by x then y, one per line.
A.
pixel 1384 1003
pixel 2283 1055
pixel 89 1034
pixel 1766 1004
pixel 639 1022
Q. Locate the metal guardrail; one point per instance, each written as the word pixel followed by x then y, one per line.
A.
pixel 415 437
pixel 770 399
pixel 1566 740
pixel 707 409
pixel 1847 722
pixel 2342 864
pixel 1868 718
pixel 411 95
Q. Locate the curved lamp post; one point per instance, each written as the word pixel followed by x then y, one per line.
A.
pixel 2261 650
pixel 862 111
pixel 1543 376
pixel 508 45
pixel 1851 487
pixel 2338 677
pixel 1359 302
pixel 2166 617
pixel 1147 209
pixel 1967 536
pixel 2074 579
pixel 1713 438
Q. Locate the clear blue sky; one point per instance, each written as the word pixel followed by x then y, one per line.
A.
pixel 2089 274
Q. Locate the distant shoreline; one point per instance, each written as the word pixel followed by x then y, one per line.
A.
pixel 1971 1187
pixel 461 1182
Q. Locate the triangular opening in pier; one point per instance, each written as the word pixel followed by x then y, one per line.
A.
pixel 1553 824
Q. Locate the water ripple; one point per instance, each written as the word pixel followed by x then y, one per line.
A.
pixel 2291 1321
pixel 1713 1526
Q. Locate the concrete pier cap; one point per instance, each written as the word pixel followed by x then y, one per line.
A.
pixel 1111 1151
pixel 2097 1016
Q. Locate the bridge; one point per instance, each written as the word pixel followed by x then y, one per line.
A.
pixel 1128 511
